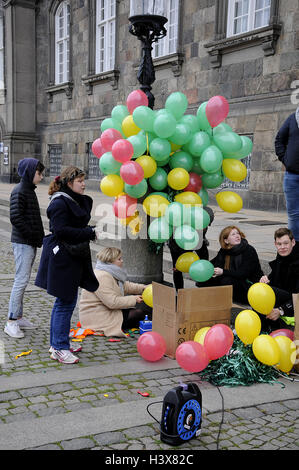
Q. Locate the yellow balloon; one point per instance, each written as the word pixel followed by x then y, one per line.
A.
pixel 261 298
pixel 200 334
pixel 287 350
pixel 229 201
pixel 175 147
pixel 248 326
pixel 185 260
pixel 188 197
pixel 178 178
pixel 147 295
pixel 112 185
pixel 155 205
pixel 148 164
pixel 234 169
pixel 266 350
pixel 129 127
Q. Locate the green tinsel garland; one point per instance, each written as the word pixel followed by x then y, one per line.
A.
pixel 239 367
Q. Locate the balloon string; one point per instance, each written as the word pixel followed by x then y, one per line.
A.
pixel 147 146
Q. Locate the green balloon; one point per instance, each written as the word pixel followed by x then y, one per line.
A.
pixel 203 193
pixel 228 142
pixel 245 150
pixel 136 190
pixel 177 104
pixel 201 270
pixel 191 121
pixel 163 162
pixel 197 218
pixel 174 214
pixel 109 123
pixel 164 125
pixel 160 149
pixel 202 118
pixel 159 180
pixel 186 237
pixel 119 112
pixel 196 167
pixel 211 159
pixel 139 144
pixel 198 143
pixel 181 135
pixel 108 165
pixel 159 230
pixel 181 159
pixel 222 127
pixel 144 117
pixel 212 180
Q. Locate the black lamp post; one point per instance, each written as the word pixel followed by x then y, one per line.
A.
pixel 148 28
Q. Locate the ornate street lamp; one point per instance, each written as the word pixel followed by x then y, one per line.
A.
pixel 147 23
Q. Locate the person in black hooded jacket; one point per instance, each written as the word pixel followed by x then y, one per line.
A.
pixel 236 264
pixel 27 235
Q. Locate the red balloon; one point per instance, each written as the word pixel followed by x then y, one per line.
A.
pixel 97 148
pixel 124 206
pixel 136 98
pixel 283 332
pixel 109 136
pixel 218 341
pixel 216 110
pixel 122 150
pixel 195 183
pixel 191 356
pixel 151 346
pixel 131 172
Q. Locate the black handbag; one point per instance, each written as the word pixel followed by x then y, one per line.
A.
pixel 78 250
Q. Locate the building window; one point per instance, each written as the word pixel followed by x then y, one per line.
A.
pixel 168 44
pixel 105 35
pixel 62 43
pixel 94 172
pixel 247 15
pixel 55 158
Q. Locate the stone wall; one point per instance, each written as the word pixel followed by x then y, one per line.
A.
pixel 255 75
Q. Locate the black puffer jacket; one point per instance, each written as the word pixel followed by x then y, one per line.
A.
pixel 27 226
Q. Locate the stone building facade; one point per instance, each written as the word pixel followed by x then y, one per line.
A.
pixel 257 71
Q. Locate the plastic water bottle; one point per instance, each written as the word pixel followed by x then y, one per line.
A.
pixel 145 325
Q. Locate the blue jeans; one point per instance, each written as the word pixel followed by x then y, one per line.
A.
pixel 291 191
pixel 24 258
pixel 61 322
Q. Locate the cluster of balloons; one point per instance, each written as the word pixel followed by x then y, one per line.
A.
pixel 168 155
pixel 276 349
pixel 209 343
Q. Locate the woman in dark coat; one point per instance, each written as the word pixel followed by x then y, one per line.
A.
pixel 65 263
pixel 236 264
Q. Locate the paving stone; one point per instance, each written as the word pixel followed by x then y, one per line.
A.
pixel 110 438
pixel 78 444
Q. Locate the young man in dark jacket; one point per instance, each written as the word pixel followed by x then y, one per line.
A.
pixel 284 279
pixel 287 150
pixel 27 234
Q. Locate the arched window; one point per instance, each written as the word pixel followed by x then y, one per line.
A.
pixel 62 43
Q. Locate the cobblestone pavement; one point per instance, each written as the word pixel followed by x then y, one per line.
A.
pixel 267 426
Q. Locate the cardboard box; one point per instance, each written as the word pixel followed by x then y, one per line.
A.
pixel 178 317
pixel 296 330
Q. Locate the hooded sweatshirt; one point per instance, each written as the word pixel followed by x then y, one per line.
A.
pixel 27 227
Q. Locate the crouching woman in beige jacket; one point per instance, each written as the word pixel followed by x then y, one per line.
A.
pixel 112 307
